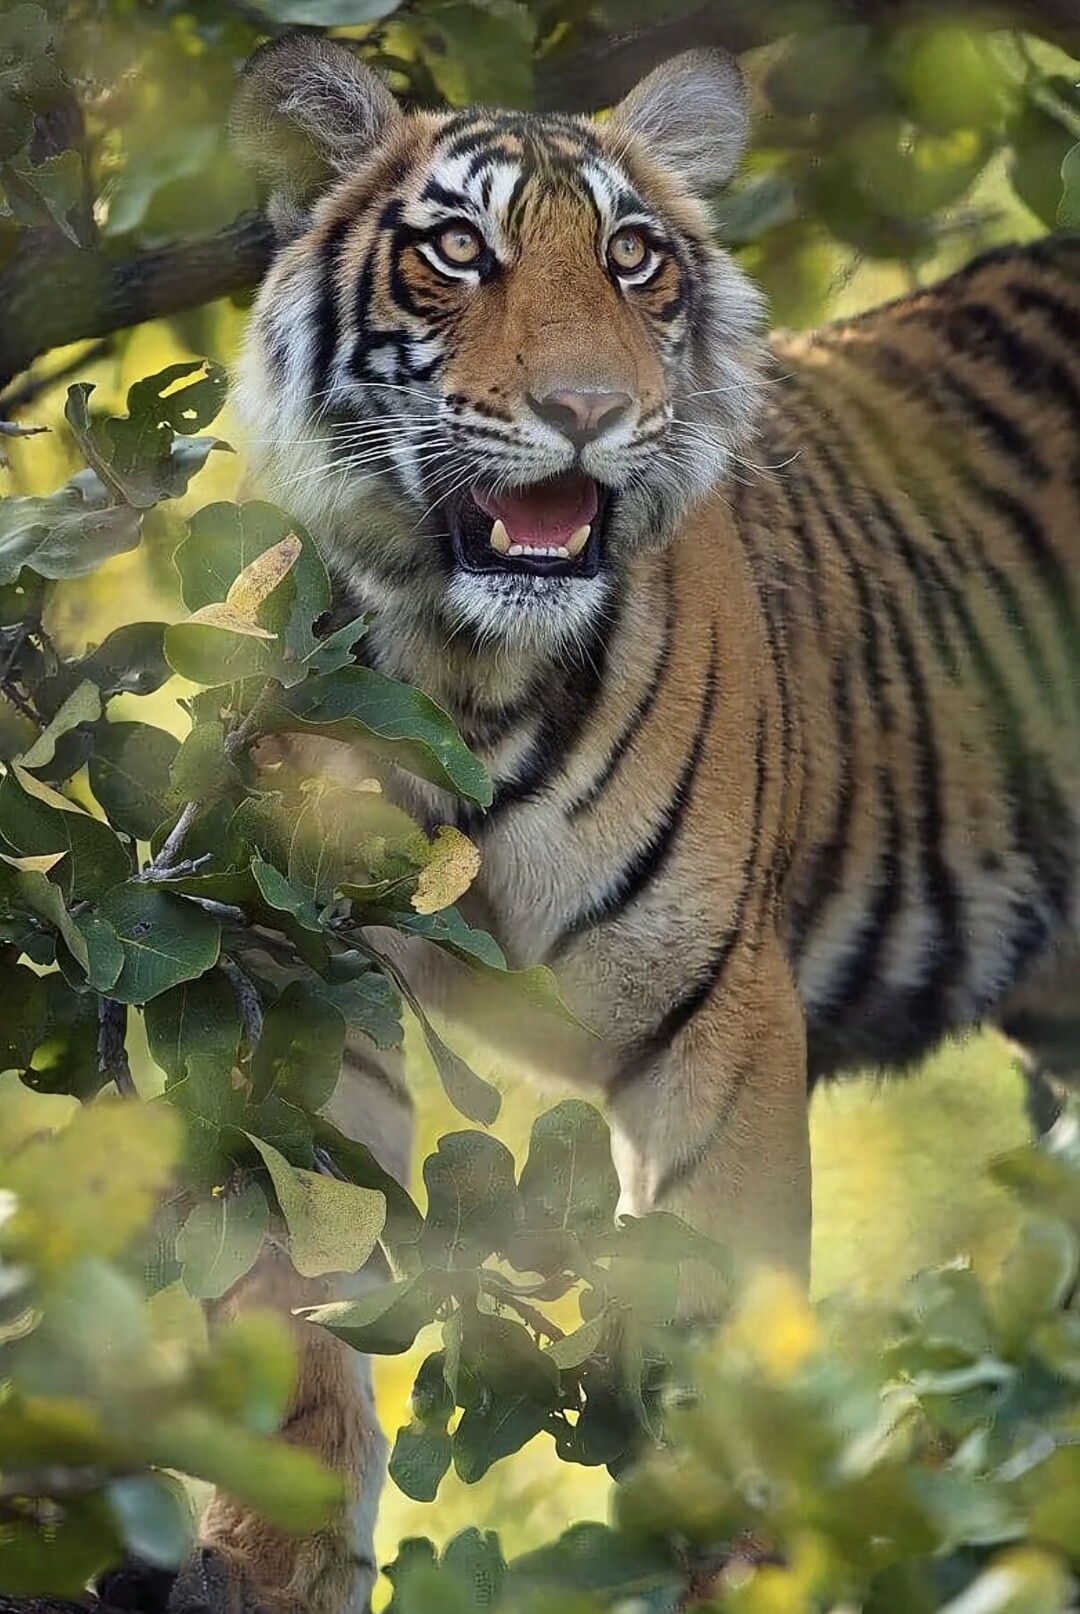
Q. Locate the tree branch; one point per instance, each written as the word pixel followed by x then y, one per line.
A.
pixel 52 293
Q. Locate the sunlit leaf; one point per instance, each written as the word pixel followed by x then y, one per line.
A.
pixel 333 1226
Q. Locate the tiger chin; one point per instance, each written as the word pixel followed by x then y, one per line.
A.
pixel 778 684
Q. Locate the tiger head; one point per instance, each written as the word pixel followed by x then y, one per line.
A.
pixel 498 354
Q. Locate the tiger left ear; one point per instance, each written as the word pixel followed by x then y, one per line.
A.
pixel 690 113
pixel 306 112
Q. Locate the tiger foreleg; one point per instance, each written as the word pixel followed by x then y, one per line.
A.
pixel 242 1564
pixel 715 1128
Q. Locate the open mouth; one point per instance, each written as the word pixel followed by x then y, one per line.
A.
pixel 546 529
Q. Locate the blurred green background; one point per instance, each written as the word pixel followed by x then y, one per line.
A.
pixel 890 145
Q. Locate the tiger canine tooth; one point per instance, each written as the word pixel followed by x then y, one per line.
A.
pixel 500 538
pixel 577 541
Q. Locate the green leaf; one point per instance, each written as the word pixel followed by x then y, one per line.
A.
pixel 574 1349
pixel 201 769
pixel 473 1205
pixel 35 819
pixel 403 1220
pixel 199 1019
pixel 336 649
pixel 91 941
pixel 447 929
pixel 59 1560
pixel 401 724
pixel 140 456
pixel 476 1099
pixel 129 775
pixel 220 1241
pixel 1036 1277
pixel 224 539
pixel 64 534
pixel 25 1018
pixel 154 1519
pixel 386 1321
pixel 165 940
pixel 481 53
pixel 300 1051
pixel 211 655
pixel 495 1427
pixel 1068 214
pixel 325 13
pixel 333 1226
pixel 475 1558
pixel 49 194
pixel 569 1183
pixel 421 1454
pixel 497 1354
pixel 276 892
pixel 369 1003
pixel 595 1558
pixel 83 705
pixel 130 661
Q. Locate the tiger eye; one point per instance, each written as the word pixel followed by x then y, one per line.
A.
pixel 459 244
pixel 627 251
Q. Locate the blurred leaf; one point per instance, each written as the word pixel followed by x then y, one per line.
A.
pixel 1068 213
pixel 220 1241
pixel 49 193
pixel 325 13
pixel 480 53
pixel 62 1559
pixel 113 1159
pixel 286 1484
pixel 83 705
pixel 165 940
pixel 89 938
pixel 201 769
pixel 129 775
pixel 333 1226
pixel 153 1517
pixel 448 929
pixel 475 1098
pixel 593 1557
pixel 496 1427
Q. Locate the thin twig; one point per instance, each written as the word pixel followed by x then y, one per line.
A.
pixel 112 1054
pixel 169 856
pixel 529 1314
pixel 29 390
pixel 247 999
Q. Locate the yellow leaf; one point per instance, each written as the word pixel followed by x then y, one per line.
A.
pixel 774 1325
pixel 333 1226
pixel 34 865
pixel 451 868
pixel 113 1160
pixel 225 616
pixel 42 792
pixel 259 580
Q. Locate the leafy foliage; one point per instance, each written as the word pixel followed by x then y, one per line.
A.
pixel 918 1459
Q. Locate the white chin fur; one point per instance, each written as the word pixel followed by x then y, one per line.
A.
pixel 541 613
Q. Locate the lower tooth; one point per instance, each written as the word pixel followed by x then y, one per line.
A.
pixel 516 549
pixel 563 554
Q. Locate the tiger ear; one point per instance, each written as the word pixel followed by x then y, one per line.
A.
pixel 691 114
pixel 307 111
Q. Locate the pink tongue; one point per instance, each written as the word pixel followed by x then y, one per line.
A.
pixel 545 514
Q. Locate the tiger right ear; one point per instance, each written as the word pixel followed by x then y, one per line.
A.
pixel 306 112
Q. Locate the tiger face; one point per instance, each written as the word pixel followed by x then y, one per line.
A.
pixel 498 353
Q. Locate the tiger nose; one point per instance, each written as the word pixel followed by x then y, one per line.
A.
pixel 581 416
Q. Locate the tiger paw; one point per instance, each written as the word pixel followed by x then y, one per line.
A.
pixel 218 1580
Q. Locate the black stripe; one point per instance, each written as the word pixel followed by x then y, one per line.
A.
pixel 648 862
pixel 950 393
pixel 639 716
pixel 825 872
pixel 1063 317
pixel 327 319
pixel 977 329
pixel 565 714
pixel 641 1058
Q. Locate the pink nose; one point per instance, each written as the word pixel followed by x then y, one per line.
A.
pixel 581 416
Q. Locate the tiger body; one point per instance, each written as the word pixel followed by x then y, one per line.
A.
pixel 784 750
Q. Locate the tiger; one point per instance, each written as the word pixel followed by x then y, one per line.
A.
pixel 771 648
